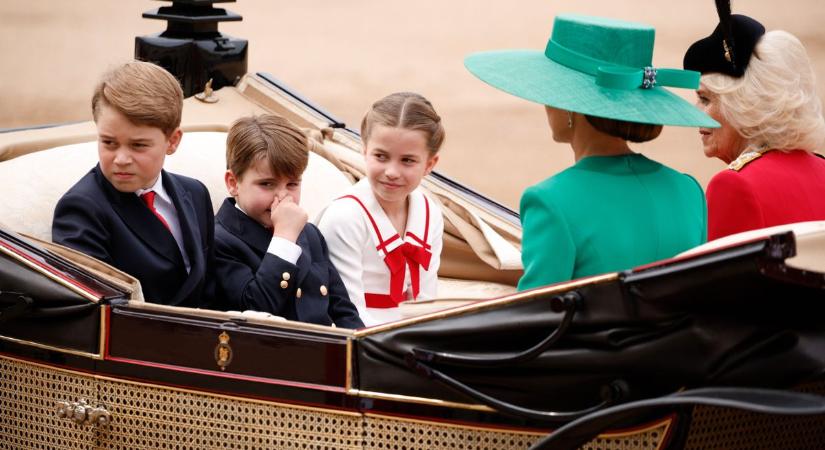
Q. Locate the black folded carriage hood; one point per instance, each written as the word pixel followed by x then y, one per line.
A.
pixel 739 316
pixel 48 301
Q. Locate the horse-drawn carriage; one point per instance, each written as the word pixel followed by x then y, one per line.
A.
pixel 676 354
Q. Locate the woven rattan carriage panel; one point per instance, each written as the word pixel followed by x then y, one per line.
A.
pixel 148 417
pixel 28 400
pixel 728 429
pixel 391 433
pixel 145 417
pixel 649 439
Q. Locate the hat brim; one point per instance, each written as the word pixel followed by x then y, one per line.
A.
pixel 529 74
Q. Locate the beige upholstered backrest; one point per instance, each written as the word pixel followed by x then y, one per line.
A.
pixel 809 236
pixel 38 180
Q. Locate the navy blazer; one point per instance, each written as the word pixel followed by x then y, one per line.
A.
pixel 254 279
pixel 119 229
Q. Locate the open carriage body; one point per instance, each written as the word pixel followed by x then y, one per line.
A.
pixel 87 362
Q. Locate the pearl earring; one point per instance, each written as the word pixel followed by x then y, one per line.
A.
pixel 569 119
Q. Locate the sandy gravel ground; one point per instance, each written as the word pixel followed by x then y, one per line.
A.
pixel 345 54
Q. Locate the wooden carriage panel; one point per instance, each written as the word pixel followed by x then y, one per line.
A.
pixel 191 343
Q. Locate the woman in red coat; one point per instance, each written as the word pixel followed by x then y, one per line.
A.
pixel 760 87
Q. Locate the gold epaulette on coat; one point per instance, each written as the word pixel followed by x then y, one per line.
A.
pixel 743 160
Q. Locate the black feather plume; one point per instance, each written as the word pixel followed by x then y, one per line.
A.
pixel 723 9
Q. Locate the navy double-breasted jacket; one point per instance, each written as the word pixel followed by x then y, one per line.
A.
pixel 251 278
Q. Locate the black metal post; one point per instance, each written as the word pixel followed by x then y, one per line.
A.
pixel 192 48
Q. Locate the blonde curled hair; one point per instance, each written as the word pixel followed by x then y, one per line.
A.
pixel 774 105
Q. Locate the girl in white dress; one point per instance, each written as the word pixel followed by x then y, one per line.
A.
pixel 384 235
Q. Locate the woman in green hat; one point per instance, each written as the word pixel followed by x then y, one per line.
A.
pixel 614 209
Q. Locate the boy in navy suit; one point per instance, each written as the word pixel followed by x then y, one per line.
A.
pixel 127 211
pixel 268 257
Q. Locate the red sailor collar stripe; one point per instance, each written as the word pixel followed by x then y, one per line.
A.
pixel 385 237
pixel 382 244
pixel 397 253
pixel 419 204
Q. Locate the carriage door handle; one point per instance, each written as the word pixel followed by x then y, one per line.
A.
pixel 84 414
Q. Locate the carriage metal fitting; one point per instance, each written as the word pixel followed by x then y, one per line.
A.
pixel 83 414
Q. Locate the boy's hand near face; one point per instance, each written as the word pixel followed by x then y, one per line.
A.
pixel 288 218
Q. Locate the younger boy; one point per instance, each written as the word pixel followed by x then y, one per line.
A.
pixel 268 257
pixel 129 212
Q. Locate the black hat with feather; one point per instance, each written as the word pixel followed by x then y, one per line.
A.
pixel 729 48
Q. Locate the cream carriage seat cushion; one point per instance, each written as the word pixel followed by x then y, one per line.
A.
pixel 33 183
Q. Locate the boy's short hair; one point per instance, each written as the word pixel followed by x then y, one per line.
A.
pixel 143 92
pixel 267 137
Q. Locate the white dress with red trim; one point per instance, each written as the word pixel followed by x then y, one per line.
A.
pixel 381 268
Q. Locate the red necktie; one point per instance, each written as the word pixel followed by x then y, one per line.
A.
pixel 149 199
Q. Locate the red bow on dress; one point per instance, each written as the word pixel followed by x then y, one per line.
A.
pixel 404 255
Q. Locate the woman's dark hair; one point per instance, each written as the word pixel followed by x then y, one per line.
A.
pixel 629 131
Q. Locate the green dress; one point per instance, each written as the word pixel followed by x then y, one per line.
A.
pixel 605 214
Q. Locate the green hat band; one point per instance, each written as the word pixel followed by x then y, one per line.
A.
pixel 613 76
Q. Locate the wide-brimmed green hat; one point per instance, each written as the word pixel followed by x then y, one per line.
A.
pixel 596 66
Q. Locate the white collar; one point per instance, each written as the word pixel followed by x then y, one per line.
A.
pixel 241 209
pixel 416 219
pixel 158 188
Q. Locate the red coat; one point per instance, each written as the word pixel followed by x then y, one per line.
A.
pixel 774 189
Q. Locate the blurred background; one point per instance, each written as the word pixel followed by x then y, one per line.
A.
pixel 344 55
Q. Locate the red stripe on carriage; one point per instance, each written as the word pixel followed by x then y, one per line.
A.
pixel 48 268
